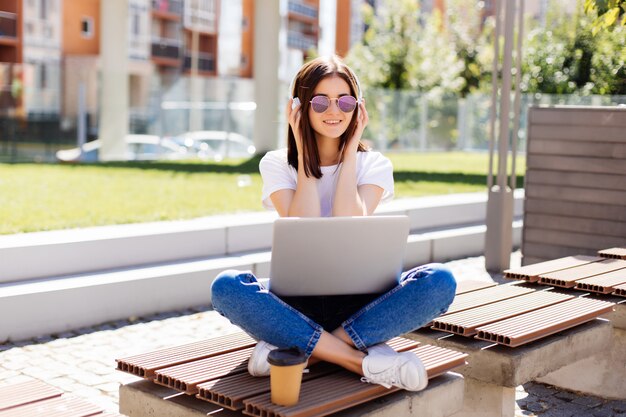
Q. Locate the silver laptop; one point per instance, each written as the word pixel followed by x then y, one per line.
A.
pixel 337 255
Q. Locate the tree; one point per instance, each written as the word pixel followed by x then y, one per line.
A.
pixel 608 13
pixel 381 59
pixel 569 59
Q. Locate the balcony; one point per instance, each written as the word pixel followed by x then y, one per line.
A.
pixel 166 48
pixel 299 41
pixel 302 10
pixel 206 62
pixel 201 16
pixel 8 25
pixel 168 6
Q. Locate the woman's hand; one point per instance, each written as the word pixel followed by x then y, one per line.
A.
pixel 362 119
pixel 293 116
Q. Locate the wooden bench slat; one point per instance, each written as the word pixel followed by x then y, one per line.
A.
pixel 230 391
pixel 485 296
pixel 615 253
pixel 531 272
pixel 576 164
pixel 463 287
pixel 145 364
pixel 567 278
pixel 187 376
pixel 465 322
pixel 575 209
pixel 342 390
pixel 535 325
pixel 606 227
pixel 574 179
pixel 63 406
pixel 25 393
pixel 603 283
pixel 620 290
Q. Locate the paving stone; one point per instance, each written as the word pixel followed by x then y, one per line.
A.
pixel 66 335
pixel 555 412
pixel 566 395
pixel 618 406
pixel 16 379
pixel 539 389
pixel 590 402
pixel 536 407
pixel 43 339
pixel 603 413
pixel 6 374
pixel 5 347
pixel 109 387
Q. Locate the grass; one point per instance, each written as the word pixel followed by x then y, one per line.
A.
pixel 36 197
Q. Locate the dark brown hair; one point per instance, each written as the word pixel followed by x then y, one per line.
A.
pixel 304 84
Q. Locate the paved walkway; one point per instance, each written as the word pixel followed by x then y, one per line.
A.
pixel 82 362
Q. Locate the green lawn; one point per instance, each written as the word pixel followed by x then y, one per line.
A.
pixel 36 197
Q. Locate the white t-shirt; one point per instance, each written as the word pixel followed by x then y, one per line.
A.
pixel 371 168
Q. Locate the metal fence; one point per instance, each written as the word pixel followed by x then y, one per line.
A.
pixel 399 120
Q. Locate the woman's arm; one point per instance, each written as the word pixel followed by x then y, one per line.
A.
pixel 304 201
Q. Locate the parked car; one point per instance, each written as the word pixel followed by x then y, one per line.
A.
pixel 138 148
pixel 217 144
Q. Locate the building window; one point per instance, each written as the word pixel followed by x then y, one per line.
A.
pixel 135 24
pixel 43 9
pixel 86 27
pixel 43 77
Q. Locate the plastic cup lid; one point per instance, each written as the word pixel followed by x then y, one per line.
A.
pixel 286 357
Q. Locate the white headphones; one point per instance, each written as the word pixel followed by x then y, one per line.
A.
pixel 296 100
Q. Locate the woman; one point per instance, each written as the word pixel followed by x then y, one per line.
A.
pixel 327 171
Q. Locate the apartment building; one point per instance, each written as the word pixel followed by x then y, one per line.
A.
pixel 11 80
pixel 30 36
pixel 167 47
pixel 81 57
pixel 201 26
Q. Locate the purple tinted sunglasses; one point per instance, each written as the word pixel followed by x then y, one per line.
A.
pixel 346 104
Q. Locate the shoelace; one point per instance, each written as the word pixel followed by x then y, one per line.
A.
pixel 389 376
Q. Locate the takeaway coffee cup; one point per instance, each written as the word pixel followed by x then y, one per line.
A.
pixel 286 367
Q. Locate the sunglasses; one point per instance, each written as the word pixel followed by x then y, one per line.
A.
pixel 346 104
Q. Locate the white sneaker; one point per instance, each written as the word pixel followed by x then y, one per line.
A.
pixel 258 364
pixel 394 369
pixel 381 348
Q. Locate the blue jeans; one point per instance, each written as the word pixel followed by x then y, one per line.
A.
pixel 423 293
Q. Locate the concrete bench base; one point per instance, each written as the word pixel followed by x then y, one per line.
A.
pixel 483 399
pixel 443 397
pixel 603 374
pixel 493 373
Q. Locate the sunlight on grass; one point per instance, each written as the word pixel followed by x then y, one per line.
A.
pixel 35 197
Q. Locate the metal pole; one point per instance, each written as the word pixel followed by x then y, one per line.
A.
pixel 505 97
pixel 499 236
pixel 518 77
pixel 494 93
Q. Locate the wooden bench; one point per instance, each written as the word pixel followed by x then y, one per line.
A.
pixel 603 277
pixel 208 370
pixel 205 376
pixel 36 398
